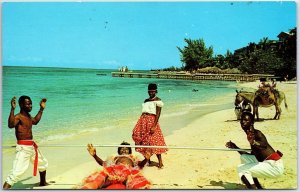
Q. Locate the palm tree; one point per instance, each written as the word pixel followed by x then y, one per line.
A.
pixel 263 43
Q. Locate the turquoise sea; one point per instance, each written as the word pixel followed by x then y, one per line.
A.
pixel 81 100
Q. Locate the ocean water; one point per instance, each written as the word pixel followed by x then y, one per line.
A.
pixel 81 100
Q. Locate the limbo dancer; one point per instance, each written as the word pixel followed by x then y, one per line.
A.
pixel 26 149
pixel 119 172
pixel 147 130
pixel 263 162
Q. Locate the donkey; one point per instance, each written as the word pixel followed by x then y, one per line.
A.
pixel 265 97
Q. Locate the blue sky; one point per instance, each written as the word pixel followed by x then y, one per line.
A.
pixel 140 35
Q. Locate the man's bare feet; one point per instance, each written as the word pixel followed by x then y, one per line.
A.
pixel 6 186
pixel 43 184
pixel 46 183
pixel 160 166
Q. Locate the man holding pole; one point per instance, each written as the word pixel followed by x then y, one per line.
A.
pixel 263 161
pixel 26 149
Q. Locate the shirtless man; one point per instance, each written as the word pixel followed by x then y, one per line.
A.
pixel 263 161
pixel 26 148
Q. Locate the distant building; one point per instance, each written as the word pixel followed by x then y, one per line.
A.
pixel 273 44
pixel 283 36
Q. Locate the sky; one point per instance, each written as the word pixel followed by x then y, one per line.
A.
pixel 139 35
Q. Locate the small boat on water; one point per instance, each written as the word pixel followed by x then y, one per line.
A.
pixel 101 74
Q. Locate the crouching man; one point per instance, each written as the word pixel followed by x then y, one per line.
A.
pixel 263 161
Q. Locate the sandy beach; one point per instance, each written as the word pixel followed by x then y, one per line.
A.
pixel 189 169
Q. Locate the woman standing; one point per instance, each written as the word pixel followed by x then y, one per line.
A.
pixel 147 130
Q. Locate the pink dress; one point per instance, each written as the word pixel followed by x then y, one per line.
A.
pixel 141 132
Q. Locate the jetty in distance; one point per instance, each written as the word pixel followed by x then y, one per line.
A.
pixel 195 76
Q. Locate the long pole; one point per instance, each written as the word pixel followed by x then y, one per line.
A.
pixel 143 146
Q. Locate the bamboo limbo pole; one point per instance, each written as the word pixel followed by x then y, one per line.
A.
pixel 144 146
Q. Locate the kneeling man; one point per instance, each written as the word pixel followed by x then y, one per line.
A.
pixel 263 161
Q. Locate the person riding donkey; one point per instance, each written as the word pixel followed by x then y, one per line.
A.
pixel 264 86
pixel 263 83
pixel 265 92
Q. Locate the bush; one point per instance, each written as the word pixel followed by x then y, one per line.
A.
pixel 217 70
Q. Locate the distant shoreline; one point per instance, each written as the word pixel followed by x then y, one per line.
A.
pixel 194 76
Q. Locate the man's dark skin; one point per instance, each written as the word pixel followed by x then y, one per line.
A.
pixel 258 142
pixel 22 122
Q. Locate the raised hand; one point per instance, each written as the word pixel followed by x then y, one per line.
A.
pixel 43 103
pixel 91 149
pixel 231 145
pixel 13 102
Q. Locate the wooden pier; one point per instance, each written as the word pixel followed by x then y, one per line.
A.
pixel 196 76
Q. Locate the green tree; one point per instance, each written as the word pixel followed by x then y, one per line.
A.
pixel 276 57
pixel 287 51
pixel 264 43
pixel 195 55
pixel 232 60
pixel 220 62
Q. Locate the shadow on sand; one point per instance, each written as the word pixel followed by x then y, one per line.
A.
pixel 21 185
pixel 260 120
pixel 232 120
pixel 227 185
